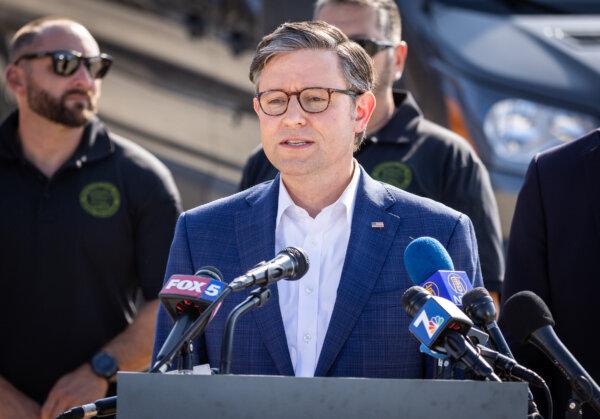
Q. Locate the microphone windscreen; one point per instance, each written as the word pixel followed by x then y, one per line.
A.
pixel 210 271
pixel 425 256
pixel 474 296
pixel 524 313
pixel 479 306
pixel 413 299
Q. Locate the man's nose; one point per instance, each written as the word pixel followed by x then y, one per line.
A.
pixel 83 77
pixel 294 115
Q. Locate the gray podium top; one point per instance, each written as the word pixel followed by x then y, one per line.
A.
pixel 150 396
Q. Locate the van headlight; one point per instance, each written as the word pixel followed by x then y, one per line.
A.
pixel 517 129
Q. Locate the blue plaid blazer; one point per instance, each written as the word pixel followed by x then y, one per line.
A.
pixel 368 333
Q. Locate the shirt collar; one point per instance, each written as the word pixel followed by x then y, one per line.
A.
pixel 347 198
pixel 95 144
pixel 403 123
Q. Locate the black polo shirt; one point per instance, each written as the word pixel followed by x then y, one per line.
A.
pixel 428 160
pixel 74 251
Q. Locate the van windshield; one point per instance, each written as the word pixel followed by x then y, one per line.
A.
pixel 563 7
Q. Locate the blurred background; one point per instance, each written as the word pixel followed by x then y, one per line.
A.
pixel 514 77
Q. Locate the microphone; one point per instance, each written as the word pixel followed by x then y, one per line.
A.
pixel 530 321
pixel 101 407
pixel 440 325
pixel 510 367
pixel 291 263
pixel 185 297
pixel 479 306
pixel 429 265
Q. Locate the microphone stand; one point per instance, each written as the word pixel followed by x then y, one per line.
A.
pixel 257 298
pixel 185 363
pixel 574 406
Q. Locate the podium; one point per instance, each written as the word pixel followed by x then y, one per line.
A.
pixel 160 396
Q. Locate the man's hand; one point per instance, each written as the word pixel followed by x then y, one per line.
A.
pixel 16 405
pixel 78 387
pixel 496 297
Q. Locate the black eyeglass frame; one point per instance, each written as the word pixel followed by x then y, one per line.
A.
pixel 329 90
pixel 58 55
pixel 373 46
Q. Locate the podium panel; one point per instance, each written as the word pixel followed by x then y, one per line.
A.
pixel 158 396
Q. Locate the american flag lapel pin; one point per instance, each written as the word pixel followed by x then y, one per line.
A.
pixel 377 224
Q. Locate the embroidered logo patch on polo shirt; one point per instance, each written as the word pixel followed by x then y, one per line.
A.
pixel 395 173
pixel 100 199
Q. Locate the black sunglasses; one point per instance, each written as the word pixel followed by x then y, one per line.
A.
pixel 372 46
pixel 66 63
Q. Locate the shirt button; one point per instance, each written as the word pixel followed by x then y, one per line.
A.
pixel 307 338
pixel 308 290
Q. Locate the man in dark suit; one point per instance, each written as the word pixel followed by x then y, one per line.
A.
pixel 553 250
pixel 345 316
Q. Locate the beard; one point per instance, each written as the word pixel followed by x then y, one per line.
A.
pixel 56 109
pixel 385 78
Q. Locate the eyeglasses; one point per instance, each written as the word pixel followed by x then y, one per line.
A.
pixel 311 99
pixel 372 46
pixel 66 63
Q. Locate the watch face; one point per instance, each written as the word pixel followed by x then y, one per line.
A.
pixel 104 365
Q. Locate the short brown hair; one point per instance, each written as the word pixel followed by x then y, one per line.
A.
pixel 28 34
pixel 388 15
pixel 356 65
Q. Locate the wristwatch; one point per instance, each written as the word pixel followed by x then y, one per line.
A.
pixel 104 365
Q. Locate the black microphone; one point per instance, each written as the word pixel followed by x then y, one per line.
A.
pixel 440 325
pixel 101 407
pixel 291 263
pixel 479 306
pixel 508 366
pixel 530 321
pixel 185 297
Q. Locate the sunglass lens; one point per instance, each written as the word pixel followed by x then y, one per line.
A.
pixel 369 46
pixel 65 63
pixel 98 66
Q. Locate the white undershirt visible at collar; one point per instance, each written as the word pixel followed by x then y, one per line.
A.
pixel 307 304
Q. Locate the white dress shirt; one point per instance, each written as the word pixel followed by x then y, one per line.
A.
pixel 307 304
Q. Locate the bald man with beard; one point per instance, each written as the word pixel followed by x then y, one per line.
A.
pixel 86 223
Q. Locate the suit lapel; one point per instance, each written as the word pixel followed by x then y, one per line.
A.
pixel 367 251
pixel 255 230
pixel 592 172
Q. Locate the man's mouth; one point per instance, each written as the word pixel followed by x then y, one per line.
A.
pixel 295 142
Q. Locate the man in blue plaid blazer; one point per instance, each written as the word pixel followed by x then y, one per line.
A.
pixel 313 102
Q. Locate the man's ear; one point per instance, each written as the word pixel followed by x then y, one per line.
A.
pixel 256 106
pixel 364 107
pixel 400 52
pixel 15 80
